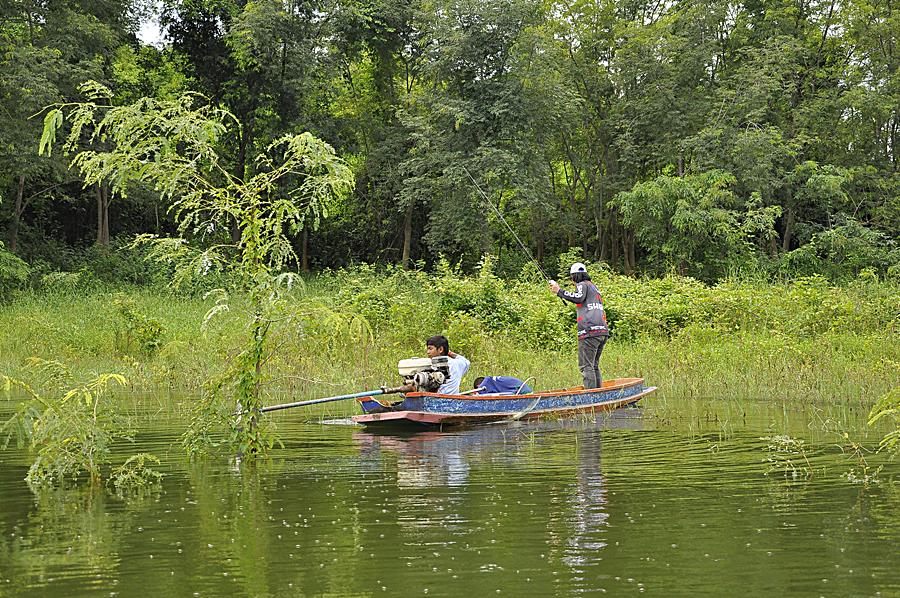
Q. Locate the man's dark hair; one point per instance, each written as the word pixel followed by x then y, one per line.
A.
pixel 478 381
pixel 439 341
pixel 580 277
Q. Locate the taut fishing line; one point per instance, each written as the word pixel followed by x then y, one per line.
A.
pixel 509 228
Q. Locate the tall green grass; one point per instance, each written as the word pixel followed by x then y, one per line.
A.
pixel 345 330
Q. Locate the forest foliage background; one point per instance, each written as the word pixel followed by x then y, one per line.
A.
pixel 704 137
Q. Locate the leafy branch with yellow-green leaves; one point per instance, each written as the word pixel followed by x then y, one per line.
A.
pixel 70 426
pixel 887 409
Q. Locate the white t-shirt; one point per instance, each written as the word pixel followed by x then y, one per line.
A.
pixel 459 365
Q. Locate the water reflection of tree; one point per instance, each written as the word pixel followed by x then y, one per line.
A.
pixel 288 528
pixel 234 526
pixel 72 534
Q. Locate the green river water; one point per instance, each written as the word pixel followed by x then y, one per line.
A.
pixel 674 500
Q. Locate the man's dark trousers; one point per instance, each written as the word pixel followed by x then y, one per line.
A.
pixel 589 350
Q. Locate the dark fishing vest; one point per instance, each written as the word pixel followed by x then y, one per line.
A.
pixel 589 309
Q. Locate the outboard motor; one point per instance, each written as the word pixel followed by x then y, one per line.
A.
pixel 424 374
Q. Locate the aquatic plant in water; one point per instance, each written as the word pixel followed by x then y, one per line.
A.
pixel 134 475
pixel 888 408
pixel 71 428
pixel 861 472
pixel 787 455
pixel 854 451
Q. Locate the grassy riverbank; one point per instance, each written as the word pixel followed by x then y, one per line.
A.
pixel 344 331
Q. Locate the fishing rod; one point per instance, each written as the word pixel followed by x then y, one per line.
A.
pixel 509 228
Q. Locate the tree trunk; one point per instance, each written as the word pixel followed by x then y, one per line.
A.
pixel 788 230
pixel 105 194
pixel 539 240
pixel 240 170
pixel 614 244
pixel 604 244
pixel 99 197
pixel 17 214
pixel 631 256
pixel 585 240
pixel 235 232
pixel 304 252
pixel 102 195
pixel 407 235
pixel 598 224
pixel 628 252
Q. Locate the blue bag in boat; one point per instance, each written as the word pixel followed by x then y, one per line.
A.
pixel 504 385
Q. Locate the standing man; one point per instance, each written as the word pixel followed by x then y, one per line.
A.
pixel 459 365
pixel 592 329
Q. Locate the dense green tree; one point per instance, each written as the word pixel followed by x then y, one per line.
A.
pixel 484 112
pixel 574 116
pixel 381 46
pixel 48 49
pixel 261 60
pixel 695 223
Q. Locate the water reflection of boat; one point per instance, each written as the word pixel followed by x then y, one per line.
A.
pixel 458 459
pixel 434 454
pixel 427 408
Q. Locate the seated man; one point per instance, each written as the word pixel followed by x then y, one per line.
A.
pixel 459 365
pixel 502 385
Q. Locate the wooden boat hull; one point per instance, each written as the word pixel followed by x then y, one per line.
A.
pixel 436 409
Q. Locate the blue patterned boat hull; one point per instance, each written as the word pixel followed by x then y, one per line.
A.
pixel 433 408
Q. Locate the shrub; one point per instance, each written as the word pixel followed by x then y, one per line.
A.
pixel 484 297
pixel 136 332
pixel 695 222
pixel 843 252
pixel 123 263
pixel 13 273
pixel 66 283
pixel 887 409
pixel 413 305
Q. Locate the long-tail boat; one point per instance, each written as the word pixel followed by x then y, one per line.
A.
pixel 420 404
pixel 434 409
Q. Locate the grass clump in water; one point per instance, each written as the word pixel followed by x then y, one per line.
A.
pixel 787 455
pixel 887 409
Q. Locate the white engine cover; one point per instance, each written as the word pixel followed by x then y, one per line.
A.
pixel 408 367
